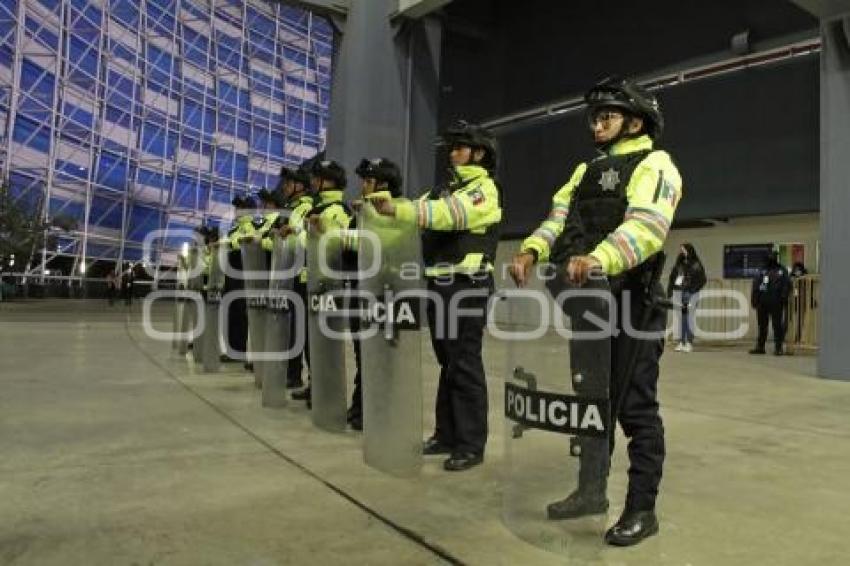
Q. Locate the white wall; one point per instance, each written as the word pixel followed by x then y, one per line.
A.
pixel 709 242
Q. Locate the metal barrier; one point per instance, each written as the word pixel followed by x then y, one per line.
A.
pixel 720 298
pixel 804 313
pixel 802 317
pixel 20 286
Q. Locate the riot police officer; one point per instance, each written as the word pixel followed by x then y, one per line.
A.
pixel 460 232
pixel 211 235
pixel 380 179
pixel 769 297
pixel 237 314
pixel 613 215
pixel 294 187
pixel 329 212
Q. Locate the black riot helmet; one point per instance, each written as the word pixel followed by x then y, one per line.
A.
pixel 298 175
pixel 474 136
pixel 330 170
pixel 274 198
pixel 208 232
pixel 615 92
pixel 383 171
pixel 240 201
pixel 266 196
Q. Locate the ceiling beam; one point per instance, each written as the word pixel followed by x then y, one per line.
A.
pixel 825 9
pixel 338 8
pixel 415 9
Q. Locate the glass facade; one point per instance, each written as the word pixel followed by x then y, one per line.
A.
pixel 128 116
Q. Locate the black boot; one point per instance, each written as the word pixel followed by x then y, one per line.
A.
pixel 757 350
pixel 632 527
pixel 579 503
pixel 356 422
pixel 460 461
pixel 434 446
pixel 303 395
pixel 354 417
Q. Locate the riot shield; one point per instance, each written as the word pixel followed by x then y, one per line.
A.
pixel 287 259
pixel 255 272
pixel 391 346
pixel 182 323
pixel 215 285
pixel 326 287
pixel 196 285
pixel 557 411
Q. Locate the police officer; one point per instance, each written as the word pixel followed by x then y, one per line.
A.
pixel 381 180
pixel 329 212
pixel 210 234
pixel 294 186
pixel 771 288
pixel 460 232
pixel 613 216
pixel 237 314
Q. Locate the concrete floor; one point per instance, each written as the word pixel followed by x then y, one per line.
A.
pixel 115 452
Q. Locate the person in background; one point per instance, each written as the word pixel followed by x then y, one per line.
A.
pixel 687 278
pixel 769 298
pixel 111 287
pixel 127 280
pixel 798 270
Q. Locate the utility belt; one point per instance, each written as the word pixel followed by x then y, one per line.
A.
pixel 643 280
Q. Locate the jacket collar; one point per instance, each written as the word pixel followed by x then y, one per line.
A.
pixel 300 199
pixel 329 196
pixel 630 145
pixel 469 172
pixel 383 195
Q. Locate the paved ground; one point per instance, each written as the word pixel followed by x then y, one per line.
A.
pixel 115 451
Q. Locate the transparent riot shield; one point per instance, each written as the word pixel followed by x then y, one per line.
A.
pixel 255 271
pixel 557 413
pixel 211 336
pixel 326 287
pixel 287 260
pixel 195 281
pixel 182 323
pixel 391 290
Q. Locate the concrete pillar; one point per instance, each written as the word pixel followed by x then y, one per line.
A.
pixel 834 355
pixel 384 94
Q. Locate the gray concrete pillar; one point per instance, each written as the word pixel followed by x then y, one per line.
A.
pixel 384 94
pixel 834 354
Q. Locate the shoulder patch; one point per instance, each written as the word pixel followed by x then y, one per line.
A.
pixel 477 195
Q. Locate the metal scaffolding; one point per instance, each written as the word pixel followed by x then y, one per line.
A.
pixel 123 117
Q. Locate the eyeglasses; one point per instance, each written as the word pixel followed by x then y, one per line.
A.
pixel 605 117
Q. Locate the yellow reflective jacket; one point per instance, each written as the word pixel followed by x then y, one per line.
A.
pixel 653 193
pixel 473 208
pixel 243 226
pixel 351 239
pixel 298 209
pixel 332 216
